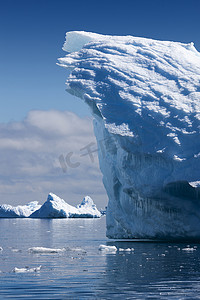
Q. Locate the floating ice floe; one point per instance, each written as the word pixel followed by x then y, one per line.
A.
pixel 45 250
pixel 106 248
pixel 144 95
pixel 26 270
pixel 1 249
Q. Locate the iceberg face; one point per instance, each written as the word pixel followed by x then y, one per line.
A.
pixel 56 207
pixel 20 211
pixel 145 98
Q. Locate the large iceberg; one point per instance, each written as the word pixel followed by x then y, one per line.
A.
pixel 145 98
pixel 55 207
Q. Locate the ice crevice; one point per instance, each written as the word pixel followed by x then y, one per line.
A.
pixel 144 95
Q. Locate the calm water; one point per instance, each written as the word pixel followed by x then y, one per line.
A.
pixel 151 271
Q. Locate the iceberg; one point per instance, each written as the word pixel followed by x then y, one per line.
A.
pixel 20 211
pixel 144 95
pixel 56 207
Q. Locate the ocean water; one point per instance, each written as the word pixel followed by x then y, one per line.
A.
pixel 81 271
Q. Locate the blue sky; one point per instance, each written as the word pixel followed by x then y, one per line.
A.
pixel 32 33
pixel 35 124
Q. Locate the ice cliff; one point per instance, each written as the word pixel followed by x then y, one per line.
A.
pixel 145 98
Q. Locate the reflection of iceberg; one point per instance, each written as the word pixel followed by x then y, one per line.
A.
pixel 144 95
pixel 20 211
pixel 54 207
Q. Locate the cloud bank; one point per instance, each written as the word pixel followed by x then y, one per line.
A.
pixel 49 151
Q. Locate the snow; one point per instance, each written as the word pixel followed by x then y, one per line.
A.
pixel 56 207
pixel 144 96
pixel 105 248
pixel 20 211
pixel 44 250
pixel 26 270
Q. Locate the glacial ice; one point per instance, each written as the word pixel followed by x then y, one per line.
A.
pixel 54 207
pixel 145 98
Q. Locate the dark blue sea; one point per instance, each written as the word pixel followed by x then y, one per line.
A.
pixel 81 271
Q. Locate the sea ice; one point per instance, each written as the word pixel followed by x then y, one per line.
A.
pixel 145 98
pixel 1 249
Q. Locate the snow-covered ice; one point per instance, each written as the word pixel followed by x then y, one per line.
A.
pixel 44 250
pixel 56 207
pixel 145 98
pixel 26 270
pixel 20 211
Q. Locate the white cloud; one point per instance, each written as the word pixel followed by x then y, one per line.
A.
pixel 30 164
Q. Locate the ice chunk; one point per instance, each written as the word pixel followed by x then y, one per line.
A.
pixel 56 207
pixel 189 249
pixel 45 250
pixel 20 211
pixel 144 95
pixel 126 249
pixel 105 248
pixel 1 249
pixel 26 270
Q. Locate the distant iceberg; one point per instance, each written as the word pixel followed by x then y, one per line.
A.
pixel 54 207
pixel 20 211
pixel 145 98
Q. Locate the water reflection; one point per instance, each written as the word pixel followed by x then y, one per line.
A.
pixel 154 270
pixel 151 270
